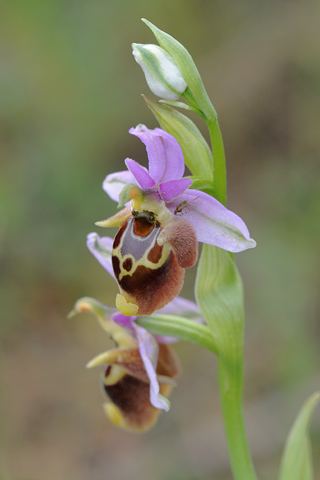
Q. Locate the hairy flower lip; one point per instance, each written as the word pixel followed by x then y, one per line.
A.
pixel 131 405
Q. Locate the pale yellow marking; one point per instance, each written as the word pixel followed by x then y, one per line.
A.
pixel 126 308
pixel 101 359
pixel 116 374
pixel 114 414
pixel 143 261
pixel 117 219
pixel 136 203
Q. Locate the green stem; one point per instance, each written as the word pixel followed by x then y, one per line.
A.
pixel 230 367
pixel 189 98
pixel 219 162
pixel 230 385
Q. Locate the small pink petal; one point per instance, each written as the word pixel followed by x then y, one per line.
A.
pixel 164 153
pixel 115 182
pixel 174 188
pixel 140 174
pixel 101 248
pixel 149 350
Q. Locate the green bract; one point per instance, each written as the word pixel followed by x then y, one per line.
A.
pixel 296 462
pixel 220 298
pixel 179 327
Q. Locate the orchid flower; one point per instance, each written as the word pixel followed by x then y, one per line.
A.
pixel 138 374
pixel 159 231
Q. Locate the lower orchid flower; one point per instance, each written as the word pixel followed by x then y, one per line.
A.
pixel 138 375
pixel 159 230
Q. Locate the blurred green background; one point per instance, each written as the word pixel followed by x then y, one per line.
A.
pixel 69 92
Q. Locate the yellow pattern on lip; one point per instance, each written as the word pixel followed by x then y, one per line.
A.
pixel 126 308
pixel 143 261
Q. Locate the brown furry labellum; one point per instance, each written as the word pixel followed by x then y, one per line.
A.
pixel 127 385
pixel 149 259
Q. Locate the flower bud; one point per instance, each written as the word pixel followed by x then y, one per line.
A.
pixel 162 74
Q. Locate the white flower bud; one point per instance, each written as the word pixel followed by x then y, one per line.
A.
pixel 162 74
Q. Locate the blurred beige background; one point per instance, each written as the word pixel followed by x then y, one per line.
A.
pixel 69 92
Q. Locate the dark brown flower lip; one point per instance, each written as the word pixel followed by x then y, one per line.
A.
pixel 130 406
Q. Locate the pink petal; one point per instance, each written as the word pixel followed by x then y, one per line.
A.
pixel 213 222
pixel 183 307
pixel 174 188
pixel 164 153
pixel 101 248
pixel 124 321
pixel 149 350
pixel 115 182
pixel 140 174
